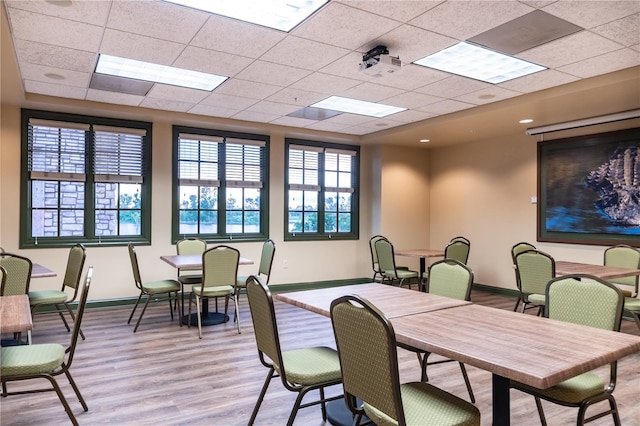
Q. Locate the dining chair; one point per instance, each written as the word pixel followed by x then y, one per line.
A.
pixel 535 269
pixel 3 278
pixel 448 278
pixel 369 361
pixel 458 248
pixel 18 274
pixel 374 258
pixel 60 299
pixel 516 250
pixel 264 271
pixel 300 370
pixel 590 301
pixel 189 275
pixel 625 256
pixel 46 360
pixel 219 272
pixel 387 262
pixel 150 289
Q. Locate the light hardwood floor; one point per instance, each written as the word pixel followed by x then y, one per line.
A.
pixel 165 375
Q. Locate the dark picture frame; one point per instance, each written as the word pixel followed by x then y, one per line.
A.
pixel 589 189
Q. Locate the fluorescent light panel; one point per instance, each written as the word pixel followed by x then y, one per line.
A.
pixel 476 62
pixel 129 68
pixel 354 106
pixel 281 15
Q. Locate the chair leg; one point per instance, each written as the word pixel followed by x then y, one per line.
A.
pixel 170 306
pixel 61 397
pixel 73 317
pixel 142 313
pixel 199 314
pixel 76 390
pixel 515 308
pixel 236 315
pixel 254 413
pixel 134 308
pixel 64 320
pixel 543 420
pixel 472 398
pixel 323 405
pixel 296 407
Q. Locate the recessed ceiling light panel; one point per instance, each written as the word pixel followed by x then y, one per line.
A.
pixel 129 68
pixel 476 62
pixel 355 106
pixel 281 15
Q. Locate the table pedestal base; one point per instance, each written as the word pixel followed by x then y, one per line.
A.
pixel 339 415
pixel 211 318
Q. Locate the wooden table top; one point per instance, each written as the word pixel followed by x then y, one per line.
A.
pixel 193 260
pixel 392 301
pixel 15 314
pixel 39 271
pixel 533 350
pixel 601 271
pixel 420 253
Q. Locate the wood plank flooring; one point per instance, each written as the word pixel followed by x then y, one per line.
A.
pixel 165 375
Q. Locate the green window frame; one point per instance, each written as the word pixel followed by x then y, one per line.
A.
pixel 87 180
pixel 321 191
pixel 220 185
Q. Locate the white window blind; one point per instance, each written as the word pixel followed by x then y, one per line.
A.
pixel 118 154
pixel 304 168
pixel 198 162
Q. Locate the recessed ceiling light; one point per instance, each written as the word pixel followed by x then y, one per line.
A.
pixel 526 120
pixel 129 68
pixel 281 15
pixel 54 76
pixel 356 106
pixel 424 140
pixel 476 62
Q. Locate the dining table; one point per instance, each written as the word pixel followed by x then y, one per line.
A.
pixel 422 254
pixel 600 271
pixel 492 339
pixel 15 315
pixel 179 261
pixel 40 271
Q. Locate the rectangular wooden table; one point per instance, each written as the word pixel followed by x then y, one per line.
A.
pixel 39 271
pixel 600 271
pixel 15 315
pixel 423 254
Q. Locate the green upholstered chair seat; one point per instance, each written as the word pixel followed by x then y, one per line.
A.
pixel 28 360
pixel 190 279
pixel 309 366
pixel 572 391
pixel 536 299
pixel 241 281
pixel 162 286
pixel 425 404
pixel 49 297
pixel 401 273
pixel 632 304
pixel 217 291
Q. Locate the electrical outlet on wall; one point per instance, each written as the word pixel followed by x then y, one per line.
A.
pixel 285 264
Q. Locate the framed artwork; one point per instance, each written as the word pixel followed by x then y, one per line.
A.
pixel 589 189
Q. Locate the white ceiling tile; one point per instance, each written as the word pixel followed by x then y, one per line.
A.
pixel 355 130
pixel 183 94
pixel 446 106
pixel 625 31
pixel 488 95
pixel 609 62
pixel 409 116
pixel 209 61
pixel 465 19
pixel 399 10
pixel 294 51
pixel 349 119
pixel 589 14
pixel 410 77
pixel 570 49
pixel 301 98
pixel 113 97
pixel 327 126
pixel 166 104
pixel 277 108
pixel 236 37
pixel 228 101
pixel 30 52
pixel 410 100
pixel 140 48
pixel 348 67
pixel 281 75
pixel 370 92
pixel 214 111
pixel 55 31
pixel 324 83
pixel 69 78
pixel 538 81
pixel 293 121
pixel 636 47
pixel 452 87
pixel 87 11
pixel 255 116
pixel 247 89
pixel 422 43
pixel 336 24
pixel 54 89
pixel 157 19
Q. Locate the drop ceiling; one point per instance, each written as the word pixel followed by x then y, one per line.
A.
pixel 274 76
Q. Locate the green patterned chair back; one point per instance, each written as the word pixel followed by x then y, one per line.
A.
pixel 264 320
pixel 623 256
pixel 374 253
pixel 386 256
pixel 220 266
pixel 458 249
pixel 366 346
pixel 190 245
pixel 520 248
pixel 75 263
pixel 133 257
pixel 586 300
pixel 266 259
pixel 3 278
pixel 450 278
pixel 82 303
pixel 535 269
pixel 18 274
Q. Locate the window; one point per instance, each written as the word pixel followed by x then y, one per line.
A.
pixel 87 180
pixel 220 190
pixel 322 190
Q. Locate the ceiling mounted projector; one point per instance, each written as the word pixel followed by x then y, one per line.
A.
pixel 377 62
